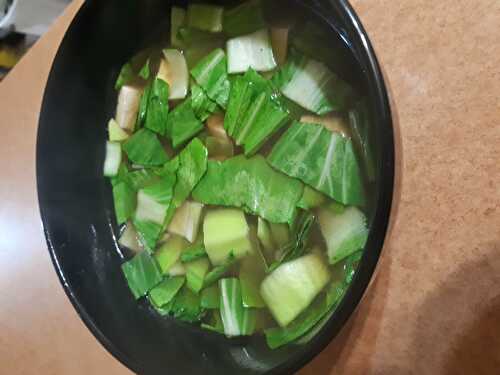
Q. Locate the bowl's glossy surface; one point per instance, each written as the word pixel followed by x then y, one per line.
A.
pixel 76 201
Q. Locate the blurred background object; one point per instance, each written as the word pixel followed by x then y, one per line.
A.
pixel 22 22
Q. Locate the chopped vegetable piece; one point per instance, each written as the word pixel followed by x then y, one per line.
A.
pixel 237 319
pixel 311 198
pixel 205 17
pixel 361 130
pixel 252 185
pixel 202 105
pixel 220 271
pixel 129 238
pixel 254 112
pixel 244 18
pixel 322 159
pixel 226 231
pixel 210 297
pixel 125 77
pixel 113 159
pixel 192 166
pixel 145 71
pixel 154 200
pixel 279 41
pixel 312 85
pixel 211 74
pixel 183 123
pixel 334 123
pixel 169 253
pixel 174 71
pixel 165 291
pixel 157 111
pixel 144 148
pixel 186 220
pixel 143 107
pixel 116 134
pixel 148 232
pixel 250 51
pixel 140 178
pixel 194 252
pixel 127 107
pixel 290 288
pixel 344 233
pixel 186 306
pixel 195 273
pixel 124 199
pixel 177 18
pixel 252 272
pixel 142 274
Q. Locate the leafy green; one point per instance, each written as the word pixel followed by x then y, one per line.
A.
pixel 169 253
pixel 154 200
pixel 126 75
pixel 142 274
pixel 192 166
pixel 202 105
pixel 125 200
pixel 254 112
pixel 312 85
pixel 182 123
pixel 196 271
pixel 140 178
pixel 252 185
pixel 323 159
pixel 144 148
pixel 143 107
pixel 244 18
pixel 250 51
pixel 165 291
pixel 211 74
pixel 237 319
pixel 194 252
pixel 157 110
pixel 148 233
pixel 145 71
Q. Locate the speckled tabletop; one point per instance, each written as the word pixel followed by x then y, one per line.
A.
pixel 435 306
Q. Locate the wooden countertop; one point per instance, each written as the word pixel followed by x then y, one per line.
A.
pixel 435 306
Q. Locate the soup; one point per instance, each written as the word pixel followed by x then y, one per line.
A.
pixel 239 163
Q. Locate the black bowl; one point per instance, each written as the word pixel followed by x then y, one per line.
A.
pixel 76 201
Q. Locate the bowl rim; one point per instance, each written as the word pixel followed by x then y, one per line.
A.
pixel 378 231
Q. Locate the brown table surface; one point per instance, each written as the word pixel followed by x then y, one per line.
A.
pixel 435 306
